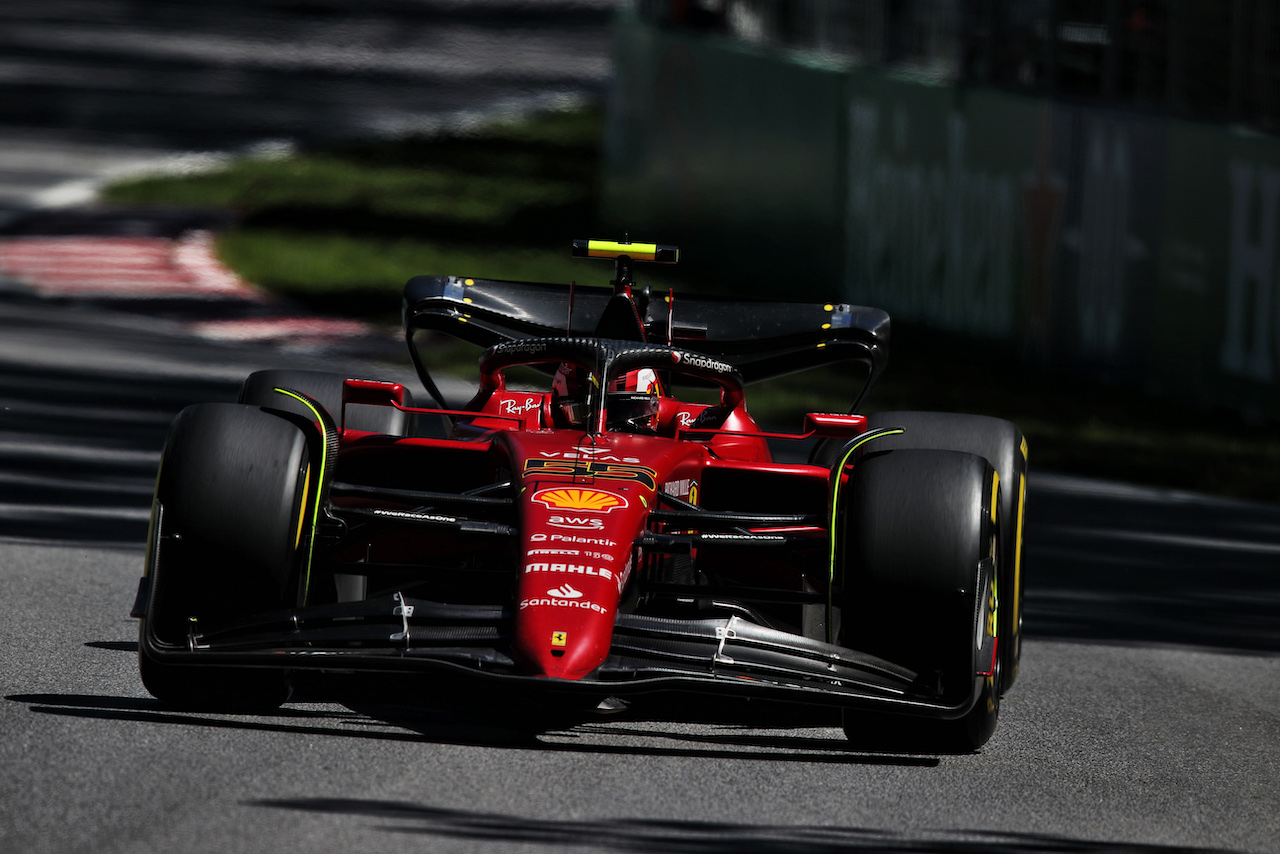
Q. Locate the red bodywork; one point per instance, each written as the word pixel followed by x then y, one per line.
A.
pixel 583 501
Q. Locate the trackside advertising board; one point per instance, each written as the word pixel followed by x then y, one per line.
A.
pixel 1138 247
pixel 707 140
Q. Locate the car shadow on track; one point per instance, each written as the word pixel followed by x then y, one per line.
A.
pixel 420 725
pixel 699 727
pixel 692 837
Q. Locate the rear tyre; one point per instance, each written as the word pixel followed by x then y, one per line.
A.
pixel 325 388
pixel 1002 444
pixel 920 530
pixel 226 530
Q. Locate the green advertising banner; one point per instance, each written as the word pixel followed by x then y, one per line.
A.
pixel 934 225
pixel 729 153
pixel 1220 312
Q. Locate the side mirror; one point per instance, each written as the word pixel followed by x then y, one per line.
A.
pixel 373 392
pixel 833 425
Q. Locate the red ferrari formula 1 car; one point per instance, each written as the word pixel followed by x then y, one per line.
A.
pixel 593 535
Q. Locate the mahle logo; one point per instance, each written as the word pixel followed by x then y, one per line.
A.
pixel 591 500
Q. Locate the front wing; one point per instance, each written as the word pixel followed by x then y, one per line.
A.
pixel 399 634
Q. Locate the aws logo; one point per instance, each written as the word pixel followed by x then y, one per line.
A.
pixel 582 523
pixel 572 498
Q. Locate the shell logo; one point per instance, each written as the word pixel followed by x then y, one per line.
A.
pixel 592 500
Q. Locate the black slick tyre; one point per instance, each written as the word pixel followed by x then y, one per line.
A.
pixel 228 523
pixel 919 563
pixel 259 389
pixel 1002 444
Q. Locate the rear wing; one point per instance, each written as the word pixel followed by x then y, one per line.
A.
pixel 762 338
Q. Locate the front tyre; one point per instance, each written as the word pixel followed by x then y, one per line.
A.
pixel 227 528
pixel 920 588
pixel 1002 444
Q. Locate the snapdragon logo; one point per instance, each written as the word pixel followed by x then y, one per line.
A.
pixel 697 360
pixel 526 346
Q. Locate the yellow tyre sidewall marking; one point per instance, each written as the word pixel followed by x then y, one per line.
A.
pixel 302 507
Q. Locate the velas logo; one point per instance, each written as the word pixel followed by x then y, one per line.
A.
pixel 591 500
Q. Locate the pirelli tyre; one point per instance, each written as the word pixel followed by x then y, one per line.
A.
pixel 259 389
pixel 920 532
pixel 1002 444
pixel 228 523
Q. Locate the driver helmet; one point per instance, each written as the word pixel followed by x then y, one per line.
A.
pixel 570 401
pixel 632 403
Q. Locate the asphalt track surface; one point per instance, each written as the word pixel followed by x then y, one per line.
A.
pixel 1145 718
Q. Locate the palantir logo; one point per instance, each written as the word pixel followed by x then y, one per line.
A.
pixel 565 591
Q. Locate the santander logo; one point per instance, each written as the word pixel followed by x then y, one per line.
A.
pixel 565 591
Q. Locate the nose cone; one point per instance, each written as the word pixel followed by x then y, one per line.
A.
pixel 568 599
pixel 563 638
pixel 576 560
